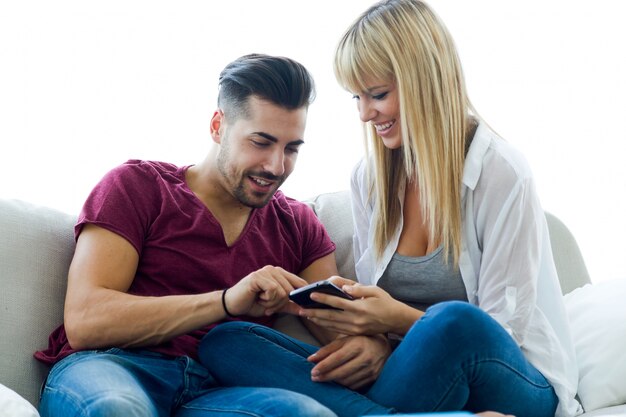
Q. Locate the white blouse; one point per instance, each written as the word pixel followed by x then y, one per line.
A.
pixel 506 259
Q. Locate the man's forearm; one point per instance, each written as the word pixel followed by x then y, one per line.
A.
pixel 112 318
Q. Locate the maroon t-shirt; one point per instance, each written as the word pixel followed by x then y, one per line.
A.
pixel 181 245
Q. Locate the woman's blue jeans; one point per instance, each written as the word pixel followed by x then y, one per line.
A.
pixel 120 383
pixel 456 357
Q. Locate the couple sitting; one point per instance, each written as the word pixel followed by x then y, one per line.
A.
pixel 178 271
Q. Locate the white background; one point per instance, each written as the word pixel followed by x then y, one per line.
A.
pixel 86 85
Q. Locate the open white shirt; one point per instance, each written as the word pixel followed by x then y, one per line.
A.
pixel 506 259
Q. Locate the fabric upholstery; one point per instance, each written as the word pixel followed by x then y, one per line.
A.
pixel 36 245
pixel 567 256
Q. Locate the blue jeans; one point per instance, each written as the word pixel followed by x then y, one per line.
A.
pixel 456 357
pixel 120 383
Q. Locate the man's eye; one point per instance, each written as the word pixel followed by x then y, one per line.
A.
pixel 260 144
pixel 379 96
pixel 292 150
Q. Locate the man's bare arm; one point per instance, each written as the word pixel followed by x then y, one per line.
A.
pixel 100 313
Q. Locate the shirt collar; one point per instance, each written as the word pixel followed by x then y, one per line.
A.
pixel 475 156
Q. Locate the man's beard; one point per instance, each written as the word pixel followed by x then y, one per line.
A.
pixel 239 191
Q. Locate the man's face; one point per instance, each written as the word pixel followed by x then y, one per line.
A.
pixel 257 153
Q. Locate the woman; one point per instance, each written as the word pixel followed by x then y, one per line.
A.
pixel 451 245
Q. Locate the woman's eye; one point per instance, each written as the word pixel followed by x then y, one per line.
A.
pixel 356 97
pixel 379 96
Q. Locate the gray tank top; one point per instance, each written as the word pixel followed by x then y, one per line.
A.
pixel 424 280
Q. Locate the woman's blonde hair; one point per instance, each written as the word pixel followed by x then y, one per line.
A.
pixel 404 42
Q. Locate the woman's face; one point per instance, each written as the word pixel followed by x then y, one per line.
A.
pixel 378 105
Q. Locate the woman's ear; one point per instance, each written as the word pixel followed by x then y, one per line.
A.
pixel 216 125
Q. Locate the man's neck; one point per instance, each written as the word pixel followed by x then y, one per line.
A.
pixel 203 180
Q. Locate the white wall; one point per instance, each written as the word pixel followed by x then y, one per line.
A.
pixel 87 85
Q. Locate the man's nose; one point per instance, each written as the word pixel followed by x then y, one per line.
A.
pixel 275 163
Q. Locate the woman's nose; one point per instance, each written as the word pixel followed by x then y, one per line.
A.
pixel 366 111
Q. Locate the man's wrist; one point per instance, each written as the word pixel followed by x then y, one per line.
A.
pixel 228 314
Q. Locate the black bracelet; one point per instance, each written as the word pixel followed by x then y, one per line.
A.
pixel 224 304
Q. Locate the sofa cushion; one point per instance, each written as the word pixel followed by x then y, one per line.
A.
pixel 12 405
pixel 597 315
pixel 36 246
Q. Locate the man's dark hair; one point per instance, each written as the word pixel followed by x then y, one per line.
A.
pixel 279 80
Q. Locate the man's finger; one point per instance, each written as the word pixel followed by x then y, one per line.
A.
pixel 294 280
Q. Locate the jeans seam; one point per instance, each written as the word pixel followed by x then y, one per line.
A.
pixel 284 337
pixel 242 412
pixel 514 370
pixel 478 362
pixel 69 395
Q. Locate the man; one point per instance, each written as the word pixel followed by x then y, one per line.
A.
pixel 158 245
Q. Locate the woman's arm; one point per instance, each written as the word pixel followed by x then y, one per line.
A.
pixel 510 228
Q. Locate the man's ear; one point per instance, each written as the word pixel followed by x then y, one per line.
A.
pixel 217 125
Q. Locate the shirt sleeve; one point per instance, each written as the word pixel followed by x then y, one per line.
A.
pixel 316 242
pixel 510 224
pixel 122 202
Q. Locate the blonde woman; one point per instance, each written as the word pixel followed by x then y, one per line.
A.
pixel 452 250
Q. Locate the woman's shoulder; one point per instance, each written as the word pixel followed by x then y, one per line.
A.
pixel 490 157
pixel 362 173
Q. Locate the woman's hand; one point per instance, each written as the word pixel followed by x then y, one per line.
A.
pixel 373 311
pixel 352 361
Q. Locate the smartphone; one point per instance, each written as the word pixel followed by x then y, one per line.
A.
pixel 301 296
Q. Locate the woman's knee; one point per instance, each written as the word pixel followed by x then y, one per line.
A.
pixel 461 322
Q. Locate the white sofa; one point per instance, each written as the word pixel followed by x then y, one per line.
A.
pixel 36 246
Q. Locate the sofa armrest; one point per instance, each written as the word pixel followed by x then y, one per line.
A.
pixel 568 259
pixel 36 246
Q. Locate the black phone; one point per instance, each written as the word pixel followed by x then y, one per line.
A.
pixel 302 296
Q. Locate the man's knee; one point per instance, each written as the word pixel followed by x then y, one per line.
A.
pixel 119 405
pixel 93 385
pixel 227 336
pixel 301 405
pixel 106 404
pixel 257 402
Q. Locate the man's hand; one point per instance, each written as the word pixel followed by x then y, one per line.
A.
pixel 352 361
pixel 263 292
